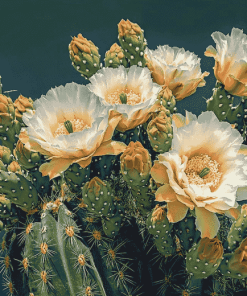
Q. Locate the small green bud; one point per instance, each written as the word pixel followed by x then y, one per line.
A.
pixel 68 126
pixel 123 98
pixel 204 172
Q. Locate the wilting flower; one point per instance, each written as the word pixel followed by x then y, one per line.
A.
pixel 70 125
pixel 230 60
pixel 204 170
pixel 130 92
pixel 176 68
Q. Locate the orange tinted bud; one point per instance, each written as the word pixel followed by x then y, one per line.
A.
pixel 14 167
pixel 128 28
pixel 158 214
pixel 210 249
pixel 136 157
pixel 94 185
pixel 21 105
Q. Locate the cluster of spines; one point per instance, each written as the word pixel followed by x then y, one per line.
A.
pixel 51 248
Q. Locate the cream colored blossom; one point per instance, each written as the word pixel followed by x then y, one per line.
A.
pixel 230 60
pixel 89 134
pixel 203 171
pixel 136 83
pixel 176 68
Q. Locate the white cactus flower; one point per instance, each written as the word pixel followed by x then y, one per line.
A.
pixel 205 170
pixel 230 60
pixel 135 84
pixel 69 125
pixel 175 68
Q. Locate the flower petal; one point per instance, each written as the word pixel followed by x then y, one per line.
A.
pixel 176 211
pixel 159 173
pixel 165 193
pixel 55 167
pixel 110 148
pixel 206 222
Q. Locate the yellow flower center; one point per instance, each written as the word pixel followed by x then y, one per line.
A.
pixel 203 171
pixel 124 96
pixel 77 126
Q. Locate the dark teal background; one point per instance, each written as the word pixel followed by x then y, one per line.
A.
pixel 35 34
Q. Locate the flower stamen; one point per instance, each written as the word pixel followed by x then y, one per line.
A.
pixel 124 96
pixel 70 126
pixel 203 171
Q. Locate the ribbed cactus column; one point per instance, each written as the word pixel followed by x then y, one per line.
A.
pixel 58 260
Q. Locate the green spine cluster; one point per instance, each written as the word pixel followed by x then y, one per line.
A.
pixel 159 226
pixel 132 41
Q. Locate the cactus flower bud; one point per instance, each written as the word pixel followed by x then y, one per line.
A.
pixel 210 249
pixel 5 155
pixel 84 56
pixel 160 132
pixel 14 167
pixel 7 113
pixel 204 258
pixel 115 57
pixel 25 157
pixel 133 42
pixel 135 164
pixel 167 99
pixel 22 104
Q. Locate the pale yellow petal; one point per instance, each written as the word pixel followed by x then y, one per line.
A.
pixel 55 167
pixel 206 222
pixel 165 193
pixel 176 211
pixel 110 148
pixel 159 173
